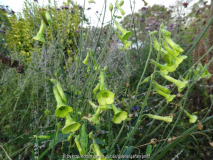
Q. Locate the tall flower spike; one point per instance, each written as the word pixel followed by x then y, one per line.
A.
pixel 119 115
pixel 105 97
pixel 167 119
pixel 60 90
pixel 40 34
pixel 85 61
pixel 164 89
pixel 180 84
pixel 95 117
pixel 62 109
pixel 125 34
pixel 70 125
pixel 120 9
pixel 168 97
pixel 192 118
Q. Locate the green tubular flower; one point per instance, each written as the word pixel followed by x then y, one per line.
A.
pixel 119 115
pixel 96 88
pixel 85 61
pixel 120 9
pixel 95 117
pixel 192 118
pixel 166 56
pixel 93 105
pixel 70 125
pixel 49 20
pixel 40 34
pixel 101 79
pixel 97 151
pixel 168 97
pixel 180 84
pixel 165 68
pixel 165 32
pixel 125 34
pixel 42 137
pixel 177 49
pixel 62 109
pixel 79 145
pixel 167 119
pixel 168 49
pixel 105 97
pixel 164 89
pixel 205 73
pixel 60 90
pixel 110 7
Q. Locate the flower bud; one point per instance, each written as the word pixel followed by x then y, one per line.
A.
pixel 200 126
pixel 110 7
pixel 121 2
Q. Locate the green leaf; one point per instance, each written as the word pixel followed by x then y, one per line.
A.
pixel 127 151
pixel 83 138
pixel 149 150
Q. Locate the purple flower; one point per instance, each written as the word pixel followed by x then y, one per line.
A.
pixel 79 7
pixel 96 11
pixel 88 8
pixel 118 106
pixel 72 11
pixel 141 19
pixel 135 108
pixel 58 9
pixel 185 4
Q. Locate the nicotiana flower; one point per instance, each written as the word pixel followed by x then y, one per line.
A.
pixel 95 117
pixel 192 118
pixel 105 97
pixel 119 115
pixel 167 119
pixel 168 97
pixel 180 84
pixel 120 9
pixel 40 34
pixel 70 125
pixel 62 109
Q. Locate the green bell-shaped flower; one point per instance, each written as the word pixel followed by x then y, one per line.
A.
pixel 180 84
pixel 164 89
pixel 168 97
pixel 85 61
pixel 95 117
pixel 62 109
pixel 167 119
pixel 120 9
pixel 70 125
pixel 125 34
pixel 119 115
pixel 192 118
pixel 40 34
pixel 105 97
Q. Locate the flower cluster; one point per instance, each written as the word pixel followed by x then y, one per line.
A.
pixel 63 109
